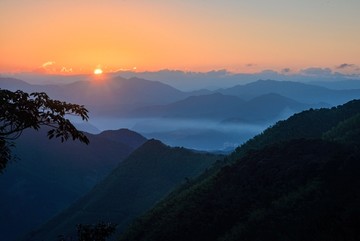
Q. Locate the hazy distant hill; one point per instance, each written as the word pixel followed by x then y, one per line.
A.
pixel 219 107
pixel 305 93
pixel 118 96
pixel 216 121
pixel 145 177
pixel 339 85
pixel 268 108
pixel 115 96
pixel 187 80
pixel 49 175
pixel 179 118
pixel 299 180
pixel 13 84
pixel 109 97
pixel 213 106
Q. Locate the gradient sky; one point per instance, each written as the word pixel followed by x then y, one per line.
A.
pixel 197 35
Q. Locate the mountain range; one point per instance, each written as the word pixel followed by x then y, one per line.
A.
pixel 157 110
pixel 116 96
pixel 219 107
pixel 296 176
pixel 47 175
pixel 213 80
pixel 134 186
pixel 112 97
pixel 299 180
pixel 305 93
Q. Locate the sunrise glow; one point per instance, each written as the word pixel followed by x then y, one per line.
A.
pixel 241 36
pixel 98 71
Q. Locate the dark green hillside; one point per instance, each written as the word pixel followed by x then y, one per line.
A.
pixel 293 186
pixel 307 124
pixel 145 177
pixel 347 132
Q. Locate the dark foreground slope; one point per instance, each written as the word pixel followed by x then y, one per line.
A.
pixel 148 175
pixel 48 175
pixel 288 189
pixel 308 124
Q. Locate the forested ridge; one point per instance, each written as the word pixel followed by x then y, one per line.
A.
pixel 299 180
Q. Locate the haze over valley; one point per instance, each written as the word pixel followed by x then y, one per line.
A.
pixel 224 118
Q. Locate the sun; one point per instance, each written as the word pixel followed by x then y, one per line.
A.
pixel 98 71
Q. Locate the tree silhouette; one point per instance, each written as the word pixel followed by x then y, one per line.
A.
pixel 91 232
pixel 20 110
pixel 98 232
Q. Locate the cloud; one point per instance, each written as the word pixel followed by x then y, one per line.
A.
pixel 345 66
pixel 316 71
pixel 48 63
pixel 285 70
pixel 250 65
pixel 269 72
pixel 66 70
pixel 47 67
pixel 217 73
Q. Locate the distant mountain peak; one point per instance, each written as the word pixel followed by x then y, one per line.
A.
pixel 124 136
pixel 122 131
pixel 272 96
pixel 12 83
pixel 151 144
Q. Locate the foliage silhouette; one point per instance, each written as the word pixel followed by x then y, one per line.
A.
pixel 20 110
pixel 96 232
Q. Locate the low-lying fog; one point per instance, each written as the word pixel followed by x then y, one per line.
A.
pixel 197 134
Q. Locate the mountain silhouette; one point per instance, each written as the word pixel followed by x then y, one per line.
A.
pixel 305 93
pixel 48 176
pixel 112 97
pixel 301 186
pixel 144 178
pixel 220 107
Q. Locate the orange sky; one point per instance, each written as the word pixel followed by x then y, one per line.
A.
pixel 77 36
